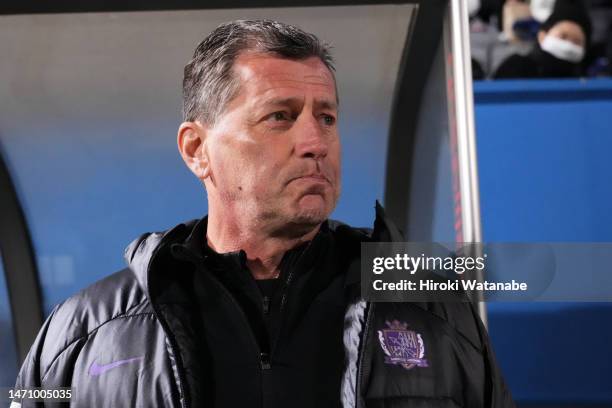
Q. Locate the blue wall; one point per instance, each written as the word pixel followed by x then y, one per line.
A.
pixel 545 175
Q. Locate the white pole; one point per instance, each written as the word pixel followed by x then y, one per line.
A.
pixel 461 109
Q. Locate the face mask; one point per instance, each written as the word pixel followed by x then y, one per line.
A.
pixel 473 7
pixel 541 9
pixel 562 49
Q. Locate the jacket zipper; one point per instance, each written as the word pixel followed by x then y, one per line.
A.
pixel 284 298
pixel 362 355
pixel 263 358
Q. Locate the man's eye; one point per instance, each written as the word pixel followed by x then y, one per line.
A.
pixel 329 120
pixel 279 116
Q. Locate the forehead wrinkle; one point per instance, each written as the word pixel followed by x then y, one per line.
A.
pixel 272 95
pixel 280 100
pixel 249 74
pixel 276 83
pixel 247 69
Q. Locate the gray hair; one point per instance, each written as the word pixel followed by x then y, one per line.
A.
pixel 209 83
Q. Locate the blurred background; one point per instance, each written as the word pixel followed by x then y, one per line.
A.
pixel 90 100
pixel 520 39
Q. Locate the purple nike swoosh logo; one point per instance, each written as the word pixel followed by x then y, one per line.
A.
pixel 97 369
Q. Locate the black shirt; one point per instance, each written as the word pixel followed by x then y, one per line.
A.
pixel 270 343
pixel 537 64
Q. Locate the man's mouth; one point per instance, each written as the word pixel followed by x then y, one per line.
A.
pixel 316 178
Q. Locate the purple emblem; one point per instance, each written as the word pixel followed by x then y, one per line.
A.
pixel 96 369
pixel 401 346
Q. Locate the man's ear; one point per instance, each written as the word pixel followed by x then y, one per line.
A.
pixel 191 140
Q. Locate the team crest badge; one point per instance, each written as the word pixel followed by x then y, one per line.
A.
pixel 402 346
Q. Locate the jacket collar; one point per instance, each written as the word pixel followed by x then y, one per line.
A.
pixel 384 229
pixel 141 253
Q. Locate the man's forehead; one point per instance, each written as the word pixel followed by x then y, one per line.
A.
pixel 264 73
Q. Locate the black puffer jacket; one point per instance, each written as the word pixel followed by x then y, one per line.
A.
pixel 131 319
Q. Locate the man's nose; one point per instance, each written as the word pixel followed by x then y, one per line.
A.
pixel 312 141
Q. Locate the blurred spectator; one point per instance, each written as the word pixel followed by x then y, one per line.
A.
pixel 514 11
pixel 599 56
pixel 489 45
pixel 490 12
pixel 473 7
pixel 541 9
pixel 560 47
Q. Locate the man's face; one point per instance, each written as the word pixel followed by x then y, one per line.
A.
pixel 274 153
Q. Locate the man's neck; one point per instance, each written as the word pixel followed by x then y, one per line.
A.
pixel 264 250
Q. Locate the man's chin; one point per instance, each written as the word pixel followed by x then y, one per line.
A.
pixel 312 209
pixel 309 218
pixel 304 219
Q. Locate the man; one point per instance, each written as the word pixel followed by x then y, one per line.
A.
pixel 258 303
